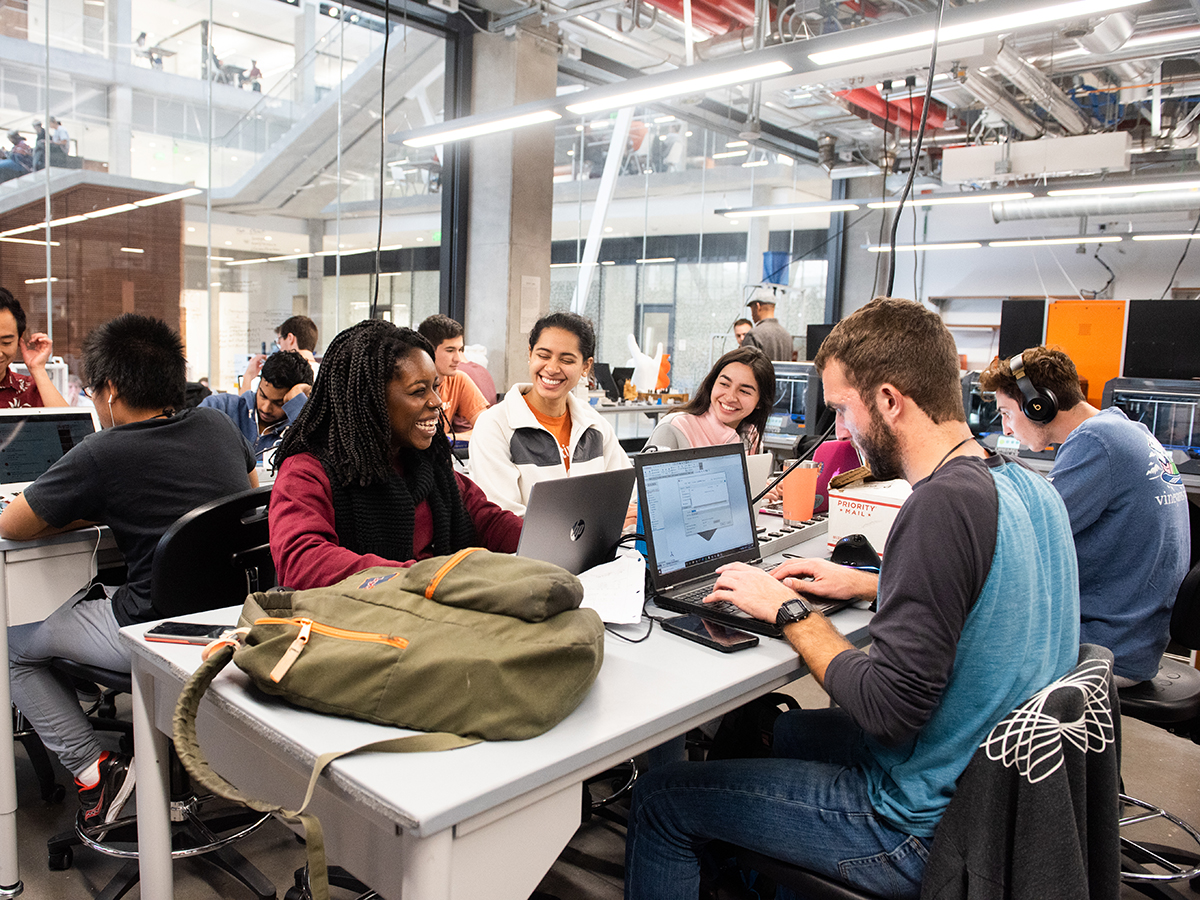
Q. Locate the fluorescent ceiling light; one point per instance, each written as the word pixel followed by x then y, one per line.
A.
pixel 1048 242
pixel 753 163
pixel 39 280
pixel 110 211
pixel 1186 236
pixel 67 220
pixel 1054 12
pixel 955 199
pixel 564 265
pixel 24 230
pixel 854 171
pixel 1126 189
pixel 8 240
pixel 737 144
pixel 662 259
pixel 910 248
pixel 683 86
pixel 220 258
pixel 730 154
pixel 662 120
pixel 469 131
pixel 247 262
pixel 751 212
pixel 132 250
pixel 608 262
pixel 167 198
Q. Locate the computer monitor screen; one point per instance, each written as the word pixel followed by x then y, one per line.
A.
pixel 1172 416
pixel 798 399
pixel 983 416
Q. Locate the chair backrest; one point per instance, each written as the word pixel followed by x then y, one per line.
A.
pixel 1185 617
pixel 214 555
pixel 1037 806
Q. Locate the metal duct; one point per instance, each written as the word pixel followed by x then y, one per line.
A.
pixel 1073 207
pixel 1041 90
pixel 992 95
pixel 1109 34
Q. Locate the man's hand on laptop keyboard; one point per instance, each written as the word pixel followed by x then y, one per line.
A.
pixel 750 589
pixel 821 578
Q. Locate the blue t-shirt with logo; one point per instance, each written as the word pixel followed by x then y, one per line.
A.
pixel 1129 516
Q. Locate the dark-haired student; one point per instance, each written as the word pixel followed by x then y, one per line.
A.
pixel 145 469
pixel 36 388
pixel 460 396
pixel 541 431
pixel 262 414
pixel 366 477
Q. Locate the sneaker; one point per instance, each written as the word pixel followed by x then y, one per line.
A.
pixel 102 803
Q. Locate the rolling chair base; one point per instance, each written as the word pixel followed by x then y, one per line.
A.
pixel 1147 866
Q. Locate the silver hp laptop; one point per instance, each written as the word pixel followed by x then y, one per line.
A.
pixel 576 522
pixel 696 516
pixel 32 440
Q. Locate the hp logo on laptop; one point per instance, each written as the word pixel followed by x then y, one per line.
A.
pixel 577 530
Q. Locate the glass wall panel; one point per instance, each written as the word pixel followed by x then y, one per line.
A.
pixel 231 169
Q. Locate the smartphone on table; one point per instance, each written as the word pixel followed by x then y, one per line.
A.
pixel 710 634
pixel 185 632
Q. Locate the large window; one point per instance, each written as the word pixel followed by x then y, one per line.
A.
pixel 268 112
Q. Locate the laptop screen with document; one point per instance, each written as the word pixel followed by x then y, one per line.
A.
pixel 32 440
pixel 697 513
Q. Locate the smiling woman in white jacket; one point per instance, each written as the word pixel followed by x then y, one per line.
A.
pixel 541 431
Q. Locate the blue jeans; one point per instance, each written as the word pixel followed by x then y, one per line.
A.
pixel 807 806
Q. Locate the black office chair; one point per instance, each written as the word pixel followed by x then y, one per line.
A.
pixel 211 557
pixel 1169 700
pixel 1030 767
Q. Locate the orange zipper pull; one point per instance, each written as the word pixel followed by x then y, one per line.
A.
pixel 292 652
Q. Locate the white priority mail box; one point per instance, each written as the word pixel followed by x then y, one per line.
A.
pixel 869 509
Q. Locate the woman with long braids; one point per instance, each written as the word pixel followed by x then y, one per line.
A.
pixel 366 476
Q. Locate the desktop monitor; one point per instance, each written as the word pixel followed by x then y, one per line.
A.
pixel 1169 407
pixel 980 406
pixel 799 403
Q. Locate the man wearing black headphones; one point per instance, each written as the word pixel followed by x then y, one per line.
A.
pixel 1125 497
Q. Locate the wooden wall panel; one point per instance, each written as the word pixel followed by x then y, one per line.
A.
pixel 96 279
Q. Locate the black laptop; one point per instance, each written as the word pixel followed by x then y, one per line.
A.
pixel 696 517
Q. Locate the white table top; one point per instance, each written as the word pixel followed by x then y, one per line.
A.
pixel 644 694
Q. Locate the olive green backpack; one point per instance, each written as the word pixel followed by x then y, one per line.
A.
pixel 474 646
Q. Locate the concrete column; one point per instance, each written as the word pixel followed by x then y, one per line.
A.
pixel 120 31
pixel 305 35
pixel 864 274
pixel 120 130
pixel 511 203
pixel 758 234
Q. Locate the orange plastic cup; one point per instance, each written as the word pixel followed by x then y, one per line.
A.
pixel 800 493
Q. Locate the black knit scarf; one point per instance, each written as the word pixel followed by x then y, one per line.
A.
pixel 379 519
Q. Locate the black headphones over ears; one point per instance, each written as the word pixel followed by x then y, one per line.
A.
pixel 1039 404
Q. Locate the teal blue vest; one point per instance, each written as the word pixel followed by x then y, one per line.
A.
pixel 1021 634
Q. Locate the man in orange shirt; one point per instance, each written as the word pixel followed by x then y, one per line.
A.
pixel 460 396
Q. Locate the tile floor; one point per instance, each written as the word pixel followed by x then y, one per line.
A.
pixel 1157 766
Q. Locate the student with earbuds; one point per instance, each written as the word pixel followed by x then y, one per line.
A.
pixel 1125 497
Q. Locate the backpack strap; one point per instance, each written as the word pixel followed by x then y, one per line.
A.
pixel 197 765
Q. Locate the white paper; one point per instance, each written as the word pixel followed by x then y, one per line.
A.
pixel 616 590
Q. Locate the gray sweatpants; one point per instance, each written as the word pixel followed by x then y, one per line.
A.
pixel 82 630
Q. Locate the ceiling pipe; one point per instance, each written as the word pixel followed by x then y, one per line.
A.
pixel 1106 35
pixel 1041 90
pixel 1073 207
pixel 992 95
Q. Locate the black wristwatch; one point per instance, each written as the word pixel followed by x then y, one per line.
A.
pixel 792 611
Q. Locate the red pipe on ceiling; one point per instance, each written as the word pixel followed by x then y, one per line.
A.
pixel 901 112
pixel 714 16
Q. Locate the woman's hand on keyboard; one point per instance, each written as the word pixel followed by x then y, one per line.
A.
pixel 821 578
